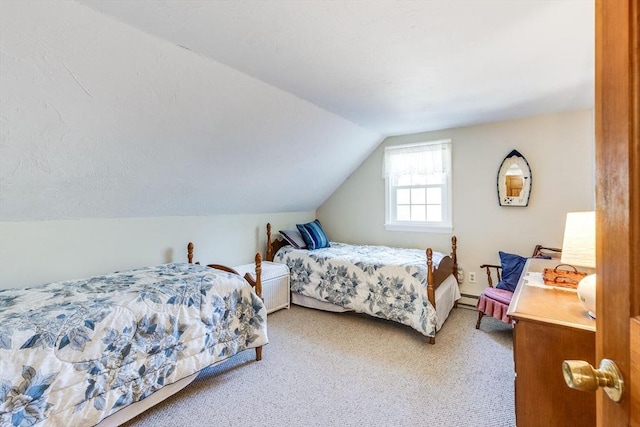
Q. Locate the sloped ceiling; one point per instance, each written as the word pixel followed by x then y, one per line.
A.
pixel 161 108
pixel 394 67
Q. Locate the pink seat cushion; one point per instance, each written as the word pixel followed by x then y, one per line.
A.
pixel 495 303
pixel 501 295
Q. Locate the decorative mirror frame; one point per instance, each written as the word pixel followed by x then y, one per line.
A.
pixel 514 158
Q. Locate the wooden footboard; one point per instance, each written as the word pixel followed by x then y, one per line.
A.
pixel 256 284
pixel 447 266
pixel 435 276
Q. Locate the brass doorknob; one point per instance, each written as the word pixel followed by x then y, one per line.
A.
pixel 580 375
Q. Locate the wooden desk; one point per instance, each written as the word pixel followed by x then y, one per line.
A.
pixel 550 326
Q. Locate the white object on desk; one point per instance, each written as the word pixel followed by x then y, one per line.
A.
pixel 537 279
pixel 534 279
pixel 587 294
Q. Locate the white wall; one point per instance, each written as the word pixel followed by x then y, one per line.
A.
pixel 36 252
pixel 100 120
pixel 560 151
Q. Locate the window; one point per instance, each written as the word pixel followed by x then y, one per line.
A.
pixel 418 187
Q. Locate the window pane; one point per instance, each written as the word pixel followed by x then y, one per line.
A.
pixel 417 182
pixel 403 196
pixel 418 196
pixel 434 196
pixel 434 213
pixel 418 213
pixel 403 213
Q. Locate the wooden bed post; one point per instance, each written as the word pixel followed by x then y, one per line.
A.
pixel 454 255
pixel 258 260
pixel 190 252
pixel 273 245
pixel 257 286
pixel 431 293
pixel 269 250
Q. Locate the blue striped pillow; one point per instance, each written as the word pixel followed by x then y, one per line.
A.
pixel 313 235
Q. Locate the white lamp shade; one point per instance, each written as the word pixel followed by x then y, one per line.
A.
pixel 579 244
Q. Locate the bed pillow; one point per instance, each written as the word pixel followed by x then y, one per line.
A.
pixel 294 238
pixel 313 235
pixel 512 266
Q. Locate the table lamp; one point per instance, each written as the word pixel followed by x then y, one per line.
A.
pixel 579 249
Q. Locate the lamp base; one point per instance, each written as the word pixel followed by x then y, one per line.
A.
pixel 587 294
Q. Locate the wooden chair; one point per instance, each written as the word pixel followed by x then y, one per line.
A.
pixel 495 302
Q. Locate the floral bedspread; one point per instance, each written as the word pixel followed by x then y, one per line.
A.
pixel 390 283
pixel 72 353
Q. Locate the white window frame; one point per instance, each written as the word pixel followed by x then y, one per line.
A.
pixel 391 223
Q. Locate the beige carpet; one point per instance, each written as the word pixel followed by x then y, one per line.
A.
pixel 341 369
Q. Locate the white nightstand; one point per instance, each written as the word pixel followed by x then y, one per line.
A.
pixel 275 283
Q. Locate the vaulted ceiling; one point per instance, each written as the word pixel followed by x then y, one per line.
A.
pixel 161 108
pixel 393 67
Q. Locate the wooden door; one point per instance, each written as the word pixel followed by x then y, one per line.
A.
pixel 618 203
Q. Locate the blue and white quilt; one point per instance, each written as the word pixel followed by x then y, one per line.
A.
pixel 385 282
pixel 74 352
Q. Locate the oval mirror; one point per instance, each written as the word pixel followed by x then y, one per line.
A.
pixel 514 180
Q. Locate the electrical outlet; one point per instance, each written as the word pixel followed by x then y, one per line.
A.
pixel 472 277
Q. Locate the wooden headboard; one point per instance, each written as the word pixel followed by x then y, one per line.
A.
pixel 257 283
pixel 273 245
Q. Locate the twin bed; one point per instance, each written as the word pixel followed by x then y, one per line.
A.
pixel 105 348
pixel 101 350
pixel 397 284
